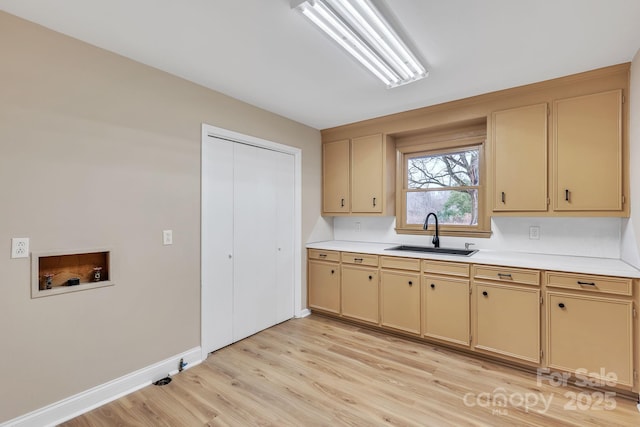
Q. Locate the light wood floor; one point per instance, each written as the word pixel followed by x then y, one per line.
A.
pixel 321 372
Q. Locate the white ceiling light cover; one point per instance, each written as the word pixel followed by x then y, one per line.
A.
pixel 359 28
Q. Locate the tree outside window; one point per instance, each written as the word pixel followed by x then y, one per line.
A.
pixel 444 183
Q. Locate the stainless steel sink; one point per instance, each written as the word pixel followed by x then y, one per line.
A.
pixel 444 251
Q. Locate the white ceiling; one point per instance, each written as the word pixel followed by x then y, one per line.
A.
pixel 264 53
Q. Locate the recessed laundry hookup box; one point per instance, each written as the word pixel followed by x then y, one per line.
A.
pixel 54 273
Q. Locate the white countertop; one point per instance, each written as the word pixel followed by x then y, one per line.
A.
pixel 571 264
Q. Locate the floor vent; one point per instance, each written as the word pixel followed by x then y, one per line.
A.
pixel 163 381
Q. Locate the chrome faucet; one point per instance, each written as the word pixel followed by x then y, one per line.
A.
pixel 436 239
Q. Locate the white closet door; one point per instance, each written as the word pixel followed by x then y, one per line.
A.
pixel 285 173
pixel 247 241
pixel 217 243
pixel 255 240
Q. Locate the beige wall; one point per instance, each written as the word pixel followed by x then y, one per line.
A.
pixel 100 151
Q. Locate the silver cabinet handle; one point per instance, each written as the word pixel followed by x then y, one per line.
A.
pixel 505 276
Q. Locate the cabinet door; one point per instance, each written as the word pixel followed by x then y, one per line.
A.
pixel 335 177
pixel 508 320
pixel 520 159
pixel 590 333
pixel 360 293
pixel 367 174
pixel 324 286
pixel 445 309
pixel 588 153
pixel 400 305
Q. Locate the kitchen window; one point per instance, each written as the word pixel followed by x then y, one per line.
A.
pixel 447 178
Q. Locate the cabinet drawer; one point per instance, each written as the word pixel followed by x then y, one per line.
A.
pixel 507 274
pixel 400 263
pixel 607 285
pixel 360 259
pixel 444 267
pixel 324 255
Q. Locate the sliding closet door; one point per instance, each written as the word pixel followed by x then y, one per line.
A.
pixel 255 234
pixel 217 243
pixel 247 240
pixel 285 219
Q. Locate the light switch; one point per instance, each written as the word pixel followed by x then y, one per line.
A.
pixel 167 237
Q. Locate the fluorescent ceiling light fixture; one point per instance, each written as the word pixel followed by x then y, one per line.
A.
pixel 360 29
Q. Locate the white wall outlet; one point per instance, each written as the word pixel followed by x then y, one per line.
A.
pixel 20 247
pixel 534 232
pixel 167 237
pixel 358 227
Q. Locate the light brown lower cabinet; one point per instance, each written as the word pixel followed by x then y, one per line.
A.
pixel 324 286
pixel 400 303
pixel 508 320
pixel 591 336
pixel 360 293
pixel 590 321
pixel 445 309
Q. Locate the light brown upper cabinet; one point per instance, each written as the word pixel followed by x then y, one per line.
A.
pixel 587 153
pixel 358 176
pixel 520 159
pixel 366 174
pixel 335 177
pixel 557 148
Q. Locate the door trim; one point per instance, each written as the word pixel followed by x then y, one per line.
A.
pixel 216 132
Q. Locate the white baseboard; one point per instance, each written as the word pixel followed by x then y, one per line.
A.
pixel 87 400
pixel 303 313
